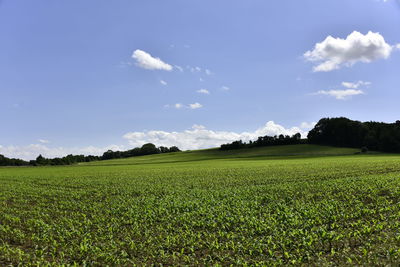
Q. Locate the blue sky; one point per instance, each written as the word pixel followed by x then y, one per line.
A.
pixel 205 72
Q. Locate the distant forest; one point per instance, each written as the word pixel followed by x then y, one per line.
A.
pixel 146 149
pixel 266 141
pixel 377 136
pixel 341 132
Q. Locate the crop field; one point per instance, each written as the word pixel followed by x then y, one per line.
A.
pixel 300 205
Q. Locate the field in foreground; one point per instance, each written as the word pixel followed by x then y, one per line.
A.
pixel 278 205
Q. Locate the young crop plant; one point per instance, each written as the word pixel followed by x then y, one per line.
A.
pixel 196 208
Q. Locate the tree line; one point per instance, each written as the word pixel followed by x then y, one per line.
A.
pixel 67 160
pixel 4 161
pixel 265 141
pixel 377 136
pixel 146 149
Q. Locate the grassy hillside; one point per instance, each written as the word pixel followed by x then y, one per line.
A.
pixel 206 208
pixel 272 152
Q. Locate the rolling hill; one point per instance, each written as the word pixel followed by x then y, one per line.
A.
pixel 271 152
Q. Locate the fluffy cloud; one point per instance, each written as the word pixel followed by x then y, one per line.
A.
pixel 195 105
pixel 225 88
pixel 307 125
pixel 199 137
pixel 31 151
pixel 197 69
pixel 333 53
pixel 355 85
pixel 180 106
pixel 146 61
pixel 193 69
pixel 340 94
pixel 203 91
pixel 163 82
pixel 44 141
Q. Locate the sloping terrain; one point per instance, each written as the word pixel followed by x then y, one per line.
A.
pixel 272 152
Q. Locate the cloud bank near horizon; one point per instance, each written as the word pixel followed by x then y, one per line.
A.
pixel 197 137
pixel 31 151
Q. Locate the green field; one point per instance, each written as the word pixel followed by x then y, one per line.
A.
pixel 301 204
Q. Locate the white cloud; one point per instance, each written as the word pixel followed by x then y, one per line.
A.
pixel 194 69
pixel 203 91
pixel 31 151
pixel 197 69
pixel 44 141
pixel 398 46
pixel 225 88
pixel 178 105
pixel 355 85
pixel 199 137
pixel 195 105
pixel 333 53
pixel 181 106
pixel 307 125
pixel 146 61
pixel 340 94
pixel 163 82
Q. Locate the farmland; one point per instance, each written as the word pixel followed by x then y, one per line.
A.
pixel 299 204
